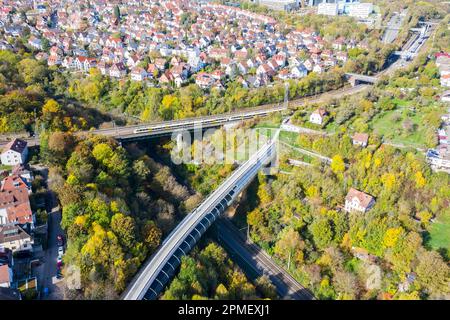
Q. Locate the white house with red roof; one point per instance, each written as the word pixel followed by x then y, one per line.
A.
pixel 318 116
pixel 358 201
pixel 138 74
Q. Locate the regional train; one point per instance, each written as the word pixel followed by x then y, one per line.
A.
pixel 205 122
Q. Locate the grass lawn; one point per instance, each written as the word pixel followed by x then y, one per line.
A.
pixel 289 137
pixel 267 124
pixel 400 103
pixel 384 124
pixel 440 233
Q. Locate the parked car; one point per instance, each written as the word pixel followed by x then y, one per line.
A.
pixel 60 251
pixel 60 240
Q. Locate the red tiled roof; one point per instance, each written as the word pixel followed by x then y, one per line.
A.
pixel 4 273
pixel 13 182
pixel 363 198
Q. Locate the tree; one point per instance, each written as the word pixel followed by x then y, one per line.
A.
pixel 102 152
pixel 255 218
pixel 391 236
pixel 32 71
pixel 151 235
pixel 337 165
pixel 322 232
pixel 433 273
pixel 61 144
pixel 51 106
pixel 124 228
pixel 289 245
pixel 266 287
pixel 346 285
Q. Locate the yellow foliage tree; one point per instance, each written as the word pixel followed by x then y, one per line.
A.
pixel 420 180
pixel 388 180
pixel 51 106
pixel 391 236
pixel 337 164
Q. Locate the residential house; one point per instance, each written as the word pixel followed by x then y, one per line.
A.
pixel 339 43
pixel 360 139
pixel 218 75
pixel 342 56
pixel 166 78
pixel 204 80
pixel 6 276
pixel 319 68
pixel 14 153
pixel 36 43
pixel 445 80
pixel 264 69
pixel 103 66
pixel 299 71
pixel 118 70
pixel 318 116
pixel 358 201
pixel 85 63
pixel 138 74
pixel 160 64
pixel 243 67
pixel 309 64
pixel 152 71
pixel 14 182
pixel 14 238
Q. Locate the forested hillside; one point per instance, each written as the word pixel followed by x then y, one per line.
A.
pixel 117 206
pixel 208 273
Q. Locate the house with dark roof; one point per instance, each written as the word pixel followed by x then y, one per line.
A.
pixel 14 153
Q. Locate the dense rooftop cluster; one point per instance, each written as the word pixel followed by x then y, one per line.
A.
pixel 168 42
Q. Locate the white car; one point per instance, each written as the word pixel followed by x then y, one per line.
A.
pixel 60 251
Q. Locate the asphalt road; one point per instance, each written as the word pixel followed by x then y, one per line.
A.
pixel 49 259
pixel 51 254
pixel 255 262
pixel 393 28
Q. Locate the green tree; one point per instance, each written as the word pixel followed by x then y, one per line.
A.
pixel 322 232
